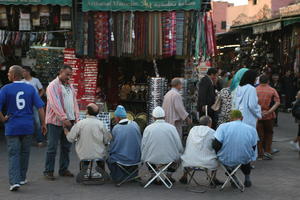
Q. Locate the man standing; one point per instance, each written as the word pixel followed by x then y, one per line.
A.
pixel 266 95
pixel 207 94
pixel 174 108
pixel 235 143
pixel 19 98
pixel 62 112
pixel 27 74
pixel 289 89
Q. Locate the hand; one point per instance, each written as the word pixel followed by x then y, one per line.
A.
pixel 266 113
pixel 6 118
pixel 189 121
pixel 44 129
pixel 67 123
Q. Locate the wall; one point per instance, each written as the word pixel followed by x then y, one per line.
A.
pixel 264 9
pixel 219 14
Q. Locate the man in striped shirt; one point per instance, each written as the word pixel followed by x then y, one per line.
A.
pixel 62 112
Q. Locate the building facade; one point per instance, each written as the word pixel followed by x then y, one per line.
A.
pixel 219 14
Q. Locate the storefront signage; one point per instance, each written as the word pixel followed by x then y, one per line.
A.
pixel 36 2
pixel 266 27
pixel 140 5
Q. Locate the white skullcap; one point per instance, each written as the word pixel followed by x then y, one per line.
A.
pixel 158 112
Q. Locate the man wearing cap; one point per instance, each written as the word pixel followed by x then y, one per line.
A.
pixel 125 147
pixel 235 143
pixel 161 143
pixel 174 107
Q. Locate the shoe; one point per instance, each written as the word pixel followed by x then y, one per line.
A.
pixel 66 173
pixel 295 145
pixel 41 144
pixel 247 184
pixel 49 176
pixel 268 156
pixel 274 151
pixel 155 182
pixel 23 182
pixel 14 187
pixel 183 180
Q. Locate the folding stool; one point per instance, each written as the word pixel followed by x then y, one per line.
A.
pixel 231 176
pixel 160 173
pixel 86 176
pixel 191 172
pixel 129 176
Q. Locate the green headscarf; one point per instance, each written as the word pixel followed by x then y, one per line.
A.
pixel 237 78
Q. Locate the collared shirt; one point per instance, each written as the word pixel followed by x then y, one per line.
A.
pixel 91 138
pixel 161 143
pixel 266 94
pixel 238 140
pixel 55 112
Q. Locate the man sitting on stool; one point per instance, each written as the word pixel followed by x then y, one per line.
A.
pixel 161 143
pixel 91 138
pixel 235 143
pixel 125 147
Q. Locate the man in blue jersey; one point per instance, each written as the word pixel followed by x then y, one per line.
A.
pixel 19 98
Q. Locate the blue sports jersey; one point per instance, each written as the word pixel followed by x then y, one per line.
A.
pixel 19 99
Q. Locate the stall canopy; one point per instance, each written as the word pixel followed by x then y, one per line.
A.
pixel 36 2
pixel 140 5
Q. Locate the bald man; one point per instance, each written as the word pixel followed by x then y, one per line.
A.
pixel 174 108
pixel 91 136
pixel 19 98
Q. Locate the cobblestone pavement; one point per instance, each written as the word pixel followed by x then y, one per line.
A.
pixel 272 180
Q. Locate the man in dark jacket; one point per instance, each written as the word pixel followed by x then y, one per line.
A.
pixel 207 94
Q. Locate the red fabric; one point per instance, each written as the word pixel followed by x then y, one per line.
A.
pixel 101 22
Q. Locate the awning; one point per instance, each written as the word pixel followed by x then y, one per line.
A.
pixel 267 27
pixel 36 2
pixel 291 21
pixel 140 5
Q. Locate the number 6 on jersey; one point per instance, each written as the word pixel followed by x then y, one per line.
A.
pixel 20 102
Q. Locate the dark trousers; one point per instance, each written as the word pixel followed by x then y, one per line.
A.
pixel 85 164
pixel 55 135
pixel 265 132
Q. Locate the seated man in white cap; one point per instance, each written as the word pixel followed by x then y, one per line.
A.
pixel 161 143
pixel 125 147
pixel 198 151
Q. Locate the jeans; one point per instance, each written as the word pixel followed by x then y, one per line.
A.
pixel 37 124
pixel 56 134
pixel 18 157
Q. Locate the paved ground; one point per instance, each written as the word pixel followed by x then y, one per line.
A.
pixel 277 179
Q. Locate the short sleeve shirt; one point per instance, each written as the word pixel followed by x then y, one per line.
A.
pixel 19 99
pixel 266 94
pixel 35 83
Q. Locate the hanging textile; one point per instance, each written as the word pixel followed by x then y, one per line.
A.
pixel 140 34
pixel 169 33
pixel 101 22
pixel 91 36
pixel 210 35
pixel 179 33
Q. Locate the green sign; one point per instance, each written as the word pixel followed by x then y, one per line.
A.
pixel 140 5
pixel 36 2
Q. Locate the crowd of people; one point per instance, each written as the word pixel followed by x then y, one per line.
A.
pixel 235 128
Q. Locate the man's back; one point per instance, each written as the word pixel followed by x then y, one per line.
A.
pixel 161 143
pixel 126 143
pixel 19 98
pixel 198 150
pixel 92 138
pixel 266 94
pixel 238 140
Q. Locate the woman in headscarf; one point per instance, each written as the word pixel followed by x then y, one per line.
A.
pixel 235 83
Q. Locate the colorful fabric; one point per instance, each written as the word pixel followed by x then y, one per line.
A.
pixel 169 33
pixel 179 33
pixel 101 23
pixel 266 94
pixel 55 112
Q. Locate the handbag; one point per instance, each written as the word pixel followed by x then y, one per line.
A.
pixel 217 105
